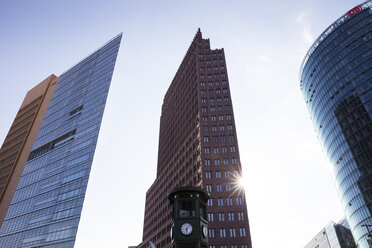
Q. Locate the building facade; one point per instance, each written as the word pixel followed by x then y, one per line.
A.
pixel 336 81
pixel 333 236
pixel 198 147
pixel 46 206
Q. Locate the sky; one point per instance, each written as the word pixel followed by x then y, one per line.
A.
pixel 288 181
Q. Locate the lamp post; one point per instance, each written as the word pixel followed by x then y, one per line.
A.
pixel 189 224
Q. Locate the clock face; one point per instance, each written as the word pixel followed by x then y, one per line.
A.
pixel 186 229
pixel 205 231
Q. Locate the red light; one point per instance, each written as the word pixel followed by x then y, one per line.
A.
pixel 353 11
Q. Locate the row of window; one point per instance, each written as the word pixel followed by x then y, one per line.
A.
pixel 215 68
pixel 219 187
pixel 210 83
pixel 224 161
pixel 224 231
pixel 216 150
pixel 232 246
pixel 220 201
pixel 208 174
pixel 222 138
pixel 231 216
pixel 208 54
pixel 213 109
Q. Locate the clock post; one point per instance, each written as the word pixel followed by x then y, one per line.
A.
pixel 189 225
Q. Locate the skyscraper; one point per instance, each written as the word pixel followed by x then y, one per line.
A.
pixel 198 147
pixel 336 85
pixel 333 236
pixel 54 135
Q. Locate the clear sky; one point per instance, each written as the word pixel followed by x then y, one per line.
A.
pixel 289 186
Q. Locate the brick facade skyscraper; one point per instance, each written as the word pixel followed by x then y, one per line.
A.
pixel 198 147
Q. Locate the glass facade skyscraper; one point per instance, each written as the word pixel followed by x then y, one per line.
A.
pixel 336 82
pixel 47 204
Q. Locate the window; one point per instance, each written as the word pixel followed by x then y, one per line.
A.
pixel 224 149
pixel 222 128
pixel 229 127
pixel 216 162
pixel 219 188
pixel 214 61
pixel 217 83
pixel 211 92
pixel 201 55
pixel 228 117
pixel 223 138
pixel 203 92
pixel 233 161
pixel 204 110
pixel 201 76
pixel 242 232
pixel 213 118
pixel 244 246
pixel 223 83
pixel 216 150
pixel 232 149
pixel 225 161
pixel 228 187
pixel 221 217
pixel 214 128
pixel 240 216
pixel 203 100
pixel 231 216
pixel 227 107
pixel 210 217
pixel 218 174
pixel 209 69
pixel 201 62
pixel 208 175
pixel 211 233
pixel 209 76
pixel 204 119
pixel 229 201
pixel 220 54
pixel 206 150
pixel 226 98
pixel 213 109
pixel 218 91
pixel 215 68
pixel 232 232
pixel 207 162
pixel 206 139
pixel 216 76
pixel 219 108
pixel 201 68
pixel 231 137
pixel 205 128
pixel 208 62
pixel 219 99
pixel 222 67
pixel 227 173
pixel 208 188
pixel 210 84
pixel 223 233
pixel 215 138
pixel 220 117
pixel 220 202
pixel 239 201
pixel 210 202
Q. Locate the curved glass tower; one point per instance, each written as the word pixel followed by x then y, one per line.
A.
pixel 336 83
